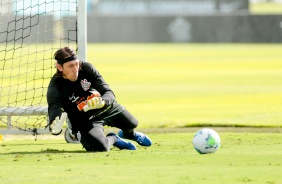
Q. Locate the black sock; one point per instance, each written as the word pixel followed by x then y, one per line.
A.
pixel 129 135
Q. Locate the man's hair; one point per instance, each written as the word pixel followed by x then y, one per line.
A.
pixel 62 54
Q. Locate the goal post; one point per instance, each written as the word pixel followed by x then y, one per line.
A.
pixel 82 30
pixel 30 33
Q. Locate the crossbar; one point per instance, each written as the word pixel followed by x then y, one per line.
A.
pixel 21 111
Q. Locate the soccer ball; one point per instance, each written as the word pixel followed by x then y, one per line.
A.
pixel 206 140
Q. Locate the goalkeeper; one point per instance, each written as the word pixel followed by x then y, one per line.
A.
pixel 79 92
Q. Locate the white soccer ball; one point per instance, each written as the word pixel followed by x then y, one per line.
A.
pixel 206 140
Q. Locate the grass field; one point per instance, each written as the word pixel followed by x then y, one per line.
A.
pixel 184 85
pixel 243 158
pixel 171 88
pixel 181 85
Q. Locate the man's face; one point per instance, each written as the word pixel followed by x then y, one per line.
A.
pixel 70 70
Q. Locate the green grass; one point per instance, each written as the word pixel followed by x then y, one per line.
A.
pixel 266 8
pixel 178 85
pixel 243 158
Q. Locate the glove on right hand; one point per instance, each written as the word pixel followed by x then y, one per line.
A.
pixel 57 124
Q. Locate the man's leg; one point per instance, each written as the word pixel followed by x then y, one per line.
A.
pixel 124 121
pixel 95 139
pixel 127 123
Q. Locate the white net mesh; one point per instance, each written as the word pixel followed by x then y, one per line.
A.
pixel 30 33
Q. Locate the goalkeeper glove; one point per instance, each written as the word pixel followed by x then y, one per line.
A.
pixel 94 103
pixel 57 124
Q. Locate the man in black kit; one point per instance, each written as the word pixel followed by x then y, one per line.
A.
pixel 78 91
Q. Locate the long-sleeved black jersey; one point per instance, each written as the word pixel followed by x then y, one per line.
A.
pixel 66 95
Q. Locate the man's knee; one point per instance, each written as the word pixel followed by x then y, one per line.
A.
pixel 96 147
pixel 90 144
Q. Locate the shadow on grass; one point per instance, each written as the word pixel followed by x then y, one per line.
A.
pixel 45 151
pixel 194 128
pixel 33 144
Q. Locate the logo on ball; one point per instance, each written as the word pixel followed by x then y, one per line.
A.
pixel 206 141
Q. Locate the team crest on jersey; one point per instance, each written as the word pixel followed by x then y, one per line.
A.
pixel 85 84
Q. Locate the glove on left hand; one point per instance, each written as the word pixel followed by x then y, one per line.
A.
pixel 94 103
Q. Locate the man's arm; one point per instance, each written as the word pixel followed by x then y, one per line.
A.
pixel 98 83
pixel 54 109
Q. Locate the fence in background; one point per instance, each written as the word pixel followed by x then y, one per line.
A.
pixel 170 21
pixel 190 28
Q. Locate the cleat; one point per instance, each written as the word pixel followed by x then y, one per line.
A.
pixel 121 144
pixel 139 137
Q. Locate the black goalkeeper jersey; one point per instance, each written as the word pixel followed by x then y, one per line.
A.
pixel 68 96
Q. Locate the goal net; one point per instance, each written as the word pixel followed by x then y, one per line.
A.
pixel 30 32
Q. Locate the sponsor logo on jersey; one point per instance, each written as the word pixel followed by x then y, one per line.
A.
pixel 85 84
pixel 73 98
